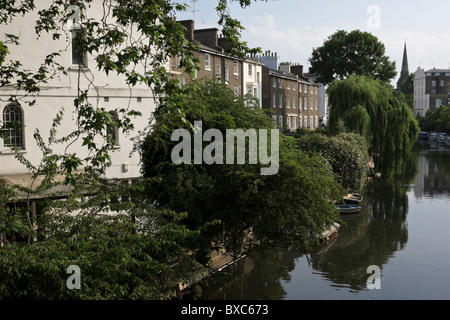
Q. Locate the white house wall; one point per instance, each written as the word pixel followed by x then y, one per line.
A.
pixel 109 92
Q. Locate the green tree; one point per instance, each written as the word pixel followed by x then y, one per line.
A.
pixel 347 154
pixel 406 91
pixel 137 260
pixel 290 205
pixel 437 120
pixel 368 107
pixel 351 53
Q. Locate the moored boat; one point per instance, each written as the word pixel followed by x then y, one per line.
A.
pixel 347 208
pixel 353 198
pixel 330 234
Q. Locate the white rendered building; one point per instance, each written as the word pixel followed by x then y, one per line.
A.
pixel 105 91
pixel 421 98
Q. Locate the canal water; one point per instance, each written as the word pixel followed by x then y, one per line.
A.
pixel 402 231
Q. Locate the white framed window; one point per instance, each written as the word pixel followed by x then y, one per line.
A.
pixel 218 70
pixel 13 123
pixel 311 103
pixel 280 101
pixel 274 100
pixel 433 83
pixel 236 90
pixel 227 73
pixel 311 123
pixel 274 82
pixel 288 102
pixel 207 61
pixel 274 120
pixel 305 123
pixel 300 124
pixel 442 83
pixel 250 71
pixel 236 68
pixel 280 120
pixel 280 83
pixel 305 103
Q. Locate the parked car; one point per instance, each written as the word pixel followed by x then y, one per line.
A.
pixel 433 136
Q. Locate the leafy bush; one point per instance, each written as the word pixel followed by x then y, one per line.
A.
pixel 437 120
pixel 290 205
pixel 120 257
pixel 347 153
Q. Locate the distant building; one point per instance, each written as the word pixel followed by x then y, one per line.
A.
pixel 431 89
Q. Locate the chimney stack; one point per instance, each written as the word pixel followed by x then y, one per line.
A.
pixel 189 32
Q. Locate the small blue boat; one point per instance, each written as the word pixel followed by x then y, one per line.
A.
pixel 347 208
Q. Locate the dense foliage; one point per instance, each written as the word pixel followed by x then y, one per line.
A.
pixel 290 205
pixel 347 153
pixel 118 258
pixel 351 53
pixel 132 39
pixel 437 120
pixel 365 106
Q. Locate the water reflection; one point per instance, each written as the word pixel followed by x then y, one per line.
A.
pixel 374 237
pixel 434 174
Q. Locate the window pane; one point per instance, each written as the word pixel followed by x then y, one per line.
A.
pixel 77 51
pixel 12 121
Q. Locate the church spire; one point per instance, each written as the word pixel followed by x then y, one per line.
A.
pixel 405 70
pixel 405 61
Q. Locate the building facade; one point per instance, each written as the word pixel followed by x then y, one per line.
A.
pixel 290 98
pixel 431 89
pixel 105 92
pixel 242 76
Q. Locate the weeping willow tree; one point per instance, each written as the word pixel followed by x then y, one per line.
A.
pixel 365 106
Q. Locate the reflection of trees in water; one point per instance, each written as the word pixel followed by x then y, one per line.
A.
pixel 371 239
pixel 258 276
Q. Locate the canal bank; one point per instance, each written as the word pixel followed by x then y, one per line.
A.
pixel 402 229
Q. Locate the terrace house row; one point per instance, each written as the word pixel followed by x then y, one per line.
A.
pixel 290 97
pixel 242 76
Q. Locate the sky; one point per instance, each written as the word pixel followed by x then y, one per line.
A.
pixel 292 28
